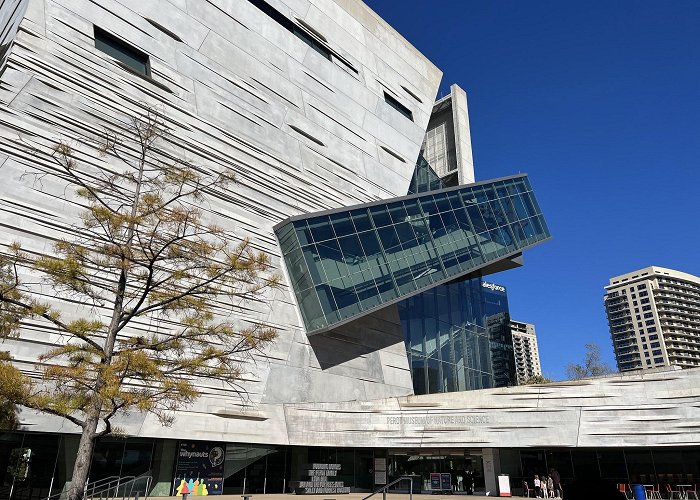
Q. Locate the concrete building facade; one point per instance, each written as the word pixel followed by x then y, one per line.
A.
pixel 527 354
pixel 320 109
pixel 654 318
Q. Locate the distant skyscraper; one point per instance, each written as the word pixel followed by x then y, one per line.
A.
pixel 527 354
pixel 654 318
pixel 496 319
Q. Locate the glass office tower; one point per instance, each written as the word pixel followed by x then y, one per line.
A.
pixel 447 344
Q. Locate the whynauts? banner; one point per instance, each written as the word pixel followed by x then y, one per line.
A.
pixel 200 468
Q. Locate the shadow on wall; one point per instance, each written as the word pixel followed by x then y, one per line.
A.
pixel 366 335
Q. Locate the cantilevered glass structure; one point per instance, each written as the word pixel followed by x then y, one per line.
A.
pixel 347 262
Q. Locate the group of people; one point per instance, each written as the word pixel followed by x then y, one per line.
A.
pixel 548 485
pixel 465 481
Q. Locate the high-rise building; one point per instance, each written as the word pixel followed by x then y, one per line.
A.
pixel 527 354
pixel 654 318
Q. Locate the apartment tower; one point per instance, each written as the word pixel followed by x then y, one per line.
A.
pixel 527 354
pixel 654 318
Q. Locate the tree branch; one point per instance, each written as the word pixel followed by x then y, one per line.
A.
pixel 53 320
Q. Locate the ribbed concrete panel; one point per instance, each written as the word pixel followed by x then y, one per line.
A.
pixel 650 409
pixel 653 409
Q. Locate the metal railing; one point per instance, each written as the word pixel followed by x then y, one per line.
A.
pixel 384 488
pixel 123 487
pixel 113 487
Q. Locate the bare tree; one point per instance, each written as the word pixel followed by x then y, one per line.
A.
pixel 592 366
pixel 536 379
pixel 142 251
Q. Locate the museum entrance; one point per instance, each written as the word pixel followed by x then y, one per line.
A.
pixel 465 466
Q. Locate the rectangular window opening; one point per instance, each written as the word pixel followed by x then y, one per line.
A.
pixel 394 103
pixel 122 52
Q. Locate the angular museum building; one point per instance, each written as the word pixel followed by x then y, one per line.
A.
pixel 392 358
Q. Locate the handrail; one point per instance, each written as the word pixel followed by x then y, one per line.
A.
pixel 126 485
pixel 384 488
pixel 101 481
pixel 109 487
pixel 93 485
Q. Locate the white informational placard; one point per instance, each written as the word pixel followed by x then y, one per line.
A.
pixel 504 485
pixel 380 471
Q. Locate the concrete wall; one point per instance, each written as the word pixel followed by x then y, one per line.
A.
pixel 641 409
pixel 447 146
pixel 301 132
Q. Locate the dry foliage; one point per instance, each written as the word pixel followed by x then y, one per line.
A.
pixel 141 255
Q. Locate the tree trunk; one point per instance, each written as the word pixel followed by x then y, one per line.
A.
pixel 83 459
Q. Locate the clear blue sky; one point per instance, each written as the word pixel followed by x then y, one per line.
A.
pixel 599 101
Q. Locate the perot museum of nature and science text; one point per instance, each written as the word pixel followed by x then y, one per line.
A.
pixel 393 358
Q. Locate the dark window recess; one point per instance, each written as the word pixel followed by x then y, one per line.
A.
pixel 312 42
pixel 162 28
pixel 307 135
pixel 122 52
pixel 391 101
pixel 290 25
pixel 420 101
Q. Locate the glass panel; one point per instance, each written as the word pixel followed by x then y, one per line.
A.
pixel 433 371
pixel 321 229
pixel 418 374
pixel 342 224
pixel 332 259
pixel 361 220
pixel 380 216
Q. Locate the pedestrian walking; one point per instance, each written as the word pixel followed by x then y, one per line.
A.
pixel 556 480
pixel 543 485
pixel 538 486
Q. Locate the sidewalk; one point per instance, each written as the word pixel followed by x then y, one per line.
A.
pixel 347 496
